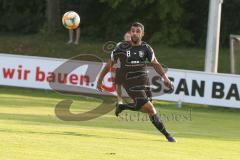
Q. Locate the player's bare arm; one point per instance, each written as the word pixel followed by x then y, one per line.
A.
pixel 159 69
pixel 104 71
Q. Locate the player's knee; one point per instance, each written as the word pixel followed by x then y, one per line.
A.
pixel 152 111
pixel 149 108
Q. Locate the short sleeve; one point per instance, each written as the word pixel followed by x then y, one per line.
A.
pixel 114 53
pixel 112 56
pixel 150 53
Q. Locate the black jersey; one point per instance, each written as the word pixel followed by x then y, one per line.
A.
pixel 132 59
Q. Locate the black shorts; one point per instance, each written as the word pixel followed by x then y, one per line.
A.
pixel 137 88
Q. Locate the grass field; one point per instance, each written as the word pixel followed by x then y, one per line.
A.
pixel 30 130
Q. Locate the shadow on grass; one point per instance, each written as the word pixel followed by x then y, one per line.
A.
pixel 71 134
pixel 40 120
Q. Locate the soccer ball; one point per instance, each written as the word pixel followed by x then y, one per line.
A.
pixel 71 20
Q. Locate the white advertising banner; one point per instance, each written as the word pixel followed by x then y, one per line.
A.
pixel 80 76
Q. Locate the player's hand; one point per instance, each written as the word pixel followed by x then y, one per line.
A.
pixel 99 86
pixel 168 83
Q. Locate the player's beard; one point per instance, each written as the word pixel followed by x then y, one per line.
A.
pixel 135 40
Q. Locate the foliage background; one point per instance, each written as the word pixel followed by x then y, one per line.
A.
pixel 173 23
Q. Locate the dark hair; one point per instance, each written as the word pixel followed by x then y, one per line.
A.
pixel 138 24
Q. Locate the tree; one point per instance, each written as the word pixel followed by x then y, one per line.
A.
pixel 163 19
pixel 53 15
pixel 22 16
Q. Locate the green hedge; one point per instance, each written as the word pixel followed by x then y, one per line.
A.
pixel 171 22
pixel 26 16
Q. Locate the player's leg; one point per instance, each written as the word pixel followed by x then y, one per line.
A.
pixel 122 107
pixel 118 84
pixel 70 34
pixel 146 106
pixel 137 93
pixel 148 90
pixel 150 109
pixel 134 94
pixel 77 35
pixel 119 93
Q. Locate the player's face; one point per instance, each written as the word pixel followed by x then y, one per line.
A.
pixel 136 34
pixel 127 37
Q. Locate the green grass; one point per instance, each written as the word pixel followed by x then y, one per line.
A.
pixel 30 130
pixel 55 46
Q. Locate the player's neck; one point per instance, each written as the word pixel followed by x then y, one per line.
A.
pixel 138 43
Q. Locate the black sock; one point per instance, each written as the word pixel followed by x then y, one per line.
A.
pixel 129 106
pixel 159 125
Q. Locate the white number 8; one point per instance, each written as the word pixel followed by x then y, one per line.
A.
pixel 128 53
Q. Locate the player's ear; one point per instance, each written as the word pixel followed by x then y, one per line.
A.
pixel 143 33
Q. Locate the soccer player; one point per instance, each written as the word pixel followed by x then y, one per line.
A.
pixel 118 75
pixel 133 67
